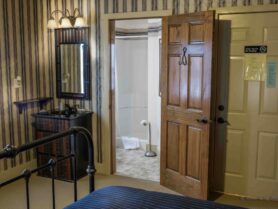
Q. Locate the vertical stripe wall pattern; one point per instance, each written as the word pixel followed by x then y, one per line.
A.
pixel 178 6
pixel 27 49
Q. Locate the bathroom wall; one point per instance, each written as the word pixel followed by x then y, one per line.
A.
pixel 27 49
pixel 137 79
pixel 131 87
pixel 154 99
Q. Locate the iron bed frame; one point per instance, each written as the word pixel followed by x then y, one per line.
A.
pixel 11 152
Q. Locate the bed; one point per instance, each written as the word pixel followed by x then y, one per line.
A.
pixel 116 197
pixel 113 197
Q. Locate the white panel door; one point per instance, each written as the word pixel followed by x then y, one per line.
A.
pixel 246 151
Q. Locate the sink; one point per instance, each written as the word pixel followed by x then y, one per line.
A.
pixel 56 112
pixel 53 113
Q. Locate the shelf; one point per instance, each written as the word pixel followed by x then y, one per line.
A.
pixel 23 103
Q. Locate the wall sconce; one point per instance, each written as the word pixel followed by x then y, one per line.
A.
pixel 67 20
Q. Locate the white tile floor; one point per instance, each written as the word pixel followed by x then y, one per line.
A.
pixel 134 164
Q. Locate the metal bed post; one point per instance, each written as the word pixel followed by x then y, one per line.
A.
pixel 73 152
pixel 52 164
pixel 11 152
pixel 91 165
pixel 27 174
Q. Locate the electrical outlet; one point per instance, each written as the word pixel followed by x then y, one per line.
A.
pixel 17 82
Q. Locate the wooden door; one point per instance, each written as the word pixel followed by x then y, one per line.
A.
pixel 246 151
pixel 186 102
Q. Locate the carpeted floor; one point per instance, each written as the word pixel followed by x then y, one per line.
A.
pixel 13 196
pixel 134 164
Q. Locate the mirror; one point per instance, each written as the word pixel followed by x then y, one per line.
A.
pixel 72 63
pixel 72 68
pixel 73 71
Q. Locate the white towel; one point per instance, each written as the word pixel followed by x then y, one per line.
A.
pixel 130 142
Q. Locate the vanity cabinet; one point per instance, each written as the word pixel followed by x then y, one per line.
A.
pixel 48 124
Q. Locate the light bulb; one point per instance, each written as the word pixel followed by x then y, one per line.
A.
pixel 79 22
pixel 52 24
pixel 65 23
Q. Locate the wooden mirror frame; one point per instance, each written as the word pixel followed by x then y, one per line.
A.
pixel 73 36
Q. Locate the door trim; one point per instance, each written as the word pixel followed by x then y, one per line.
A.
pixel 273 8
pixel 109 19
pixel 246 9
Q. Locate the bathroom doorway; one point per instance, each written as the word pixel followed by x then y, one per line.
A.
pixel 136 102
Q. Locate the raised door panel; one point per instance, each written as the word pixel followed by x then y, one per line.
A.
pixel 235 145
pixel 175 40
pixel 173 148
pixel 237 86
pixel 195 82
pixel 174 81
pixel 196 33
pixel 199 67
pixel 175 33
pixel 193 152
pixel 267 158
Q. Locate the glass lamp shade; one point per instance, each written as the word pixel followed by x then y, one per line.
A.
pixel 65 23
pixel 80 22
pixel 52 24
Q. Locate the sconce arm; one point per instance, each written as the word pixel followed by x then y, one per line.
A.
pixel 76 10
pixel 67 12
pixel 76 13
pixel 57 11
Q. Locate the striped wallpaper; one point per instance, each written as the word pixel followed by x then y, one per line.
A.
pixel 178 6
pixel 27 50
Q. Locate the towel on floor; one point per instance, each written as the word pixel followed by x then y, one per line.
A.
pixel 130 142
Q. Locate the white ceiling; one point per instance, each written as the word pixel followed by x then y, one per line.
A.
pixel 138 23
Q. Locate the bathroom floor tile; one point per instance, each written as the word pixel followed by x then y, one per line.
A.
pixel 133 163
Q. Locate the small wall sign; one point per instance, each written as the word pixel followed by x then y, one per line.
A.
pixel 262 49
pixel 271 74
pixel 255 66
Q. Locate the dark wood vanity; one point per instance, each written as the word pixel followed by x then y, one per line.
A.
pixel 46 124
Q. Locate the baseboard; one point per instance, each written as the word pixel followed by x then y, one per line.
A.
pixel 246 197
pixel 13 172
pixel 154 148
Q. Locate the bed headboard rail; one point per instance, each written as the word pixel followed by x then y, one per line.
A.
pixel 11 152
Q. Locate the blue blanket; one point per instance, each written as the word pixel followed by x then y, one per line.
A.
pixel 117 197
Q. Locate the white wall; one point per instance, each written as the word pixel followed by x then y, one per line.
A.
pixel 131 87
pixel 154 100
pixel 137 82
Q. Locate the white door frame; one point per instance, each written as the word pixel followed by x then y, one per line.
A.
pixel 246 9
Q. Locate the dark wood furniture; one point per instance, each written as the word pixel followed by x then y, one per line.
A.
pixel 48 124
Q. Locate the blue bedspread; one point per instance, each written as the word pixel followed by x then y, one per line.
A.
pixel 116 197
